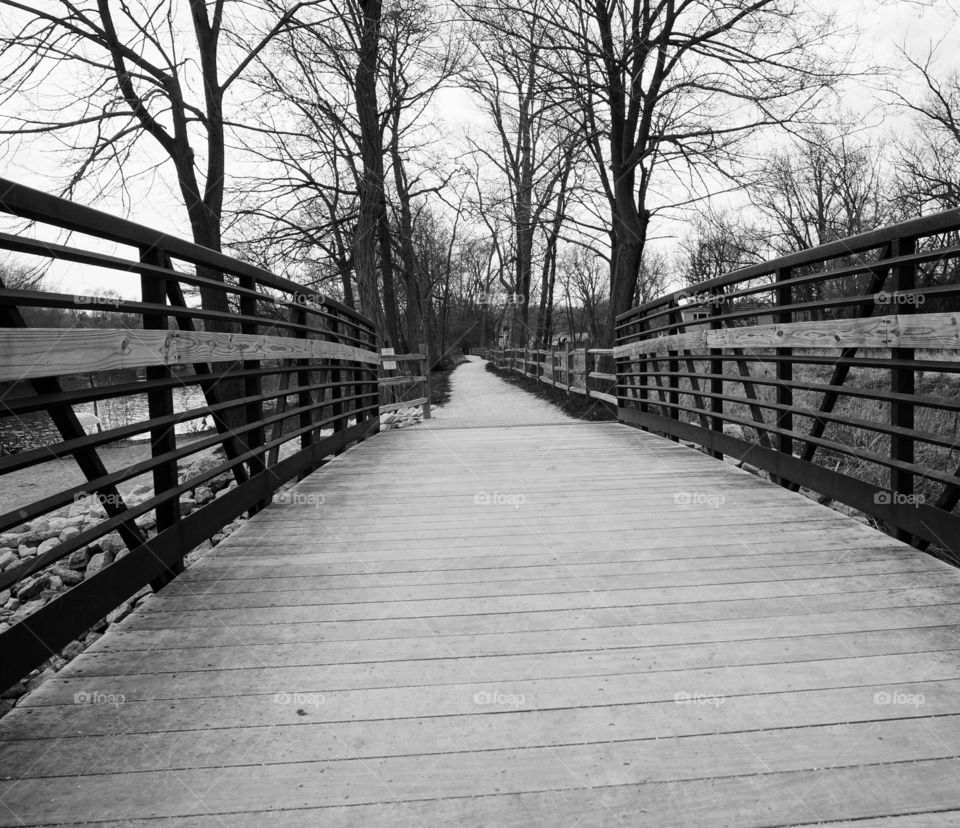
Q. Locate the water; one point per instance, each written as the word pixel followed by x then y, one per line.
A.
pixel 36 429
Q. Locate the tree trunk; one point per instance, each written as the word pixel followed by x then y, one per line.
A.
pixel 370 186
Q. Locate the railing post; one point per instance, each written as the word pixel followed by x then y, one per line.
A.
pixel 255 437
pixel 673 366
pixel 163 439
pixel 784 418
pixel 425 372
pixel 304 398
pixel 566 364
pixel 902 381
pixel 716 371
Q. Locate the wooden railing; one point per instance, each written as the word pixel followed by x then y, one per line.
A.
pixel 287 376
pixel 834 369
pixel 402 375
pixel 584 371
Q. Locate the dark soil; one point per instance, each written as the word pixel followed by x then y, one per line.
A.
pixel 575 405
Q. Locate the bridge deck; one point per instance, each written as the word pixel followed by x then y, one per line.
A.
pixel 560 624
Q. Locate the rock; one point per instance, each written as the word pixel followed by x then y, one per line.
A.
pixel 5 595
pixel 47 545
pixel 218 483
pixel 72 650
pixel 733 430
pixel 56 525
pixel 67 576
pixel 7 559
pixel 69 532
pixel 111 543
pixel 144 489
pixel 14 691
pixel 39 525
pixel 25 551
pixel 147 521
pixel 91 638
pixel 54 582
pixel 12 539
pixel 216 538
pixel 202 494
pixel 98 562
pixel 25 610
pixel 77 559
pixel 187 505
pixel 120 612
pixel 31 587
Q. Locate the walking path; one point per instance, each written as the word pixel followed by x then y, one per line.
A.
pixel 479 399
pixel 545 623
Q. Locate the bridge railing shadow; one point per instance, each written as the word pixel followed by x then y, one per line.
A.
pixel 286 378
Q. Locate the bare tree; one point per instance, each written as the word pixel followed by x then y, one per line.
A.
pixel 671 89
pixel 928 164
pixel 131 73
pixel 535 144
pixel 828 186
pixel 719 243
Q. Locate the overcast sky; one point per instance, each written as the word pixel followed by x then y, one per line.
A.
pixel 884 27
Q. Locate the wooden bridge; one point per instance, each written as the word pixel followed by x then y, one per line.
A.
pixel 546 622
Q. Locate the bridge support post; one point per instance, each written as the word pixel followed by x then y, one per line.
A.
pixel 902 381
pixel 163 439
pixel 784 296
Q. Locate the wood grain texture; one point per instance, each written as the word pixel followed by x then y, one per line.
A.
pixel 927 330
pixel 575 625
pixel 31 352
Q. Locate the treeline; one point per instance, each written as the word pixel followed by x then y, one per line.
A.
pixel 486 170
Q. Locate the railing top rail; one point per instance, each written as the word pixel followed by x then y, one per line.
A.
pixel 942 222
pixel 36 205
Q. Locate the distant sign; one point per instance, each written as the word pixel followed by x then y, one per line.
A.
pixel 391 365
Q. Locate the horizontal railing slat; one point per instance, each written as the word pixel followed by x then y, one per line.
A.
pixel 30 352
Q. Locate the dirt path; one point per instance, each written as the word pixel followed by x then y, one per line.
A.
pixel 478 399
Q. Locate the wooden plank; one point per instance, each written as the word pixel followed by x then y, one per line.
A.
pixel 600 395
pixel 344 782
pixel 30 352
pixel 317 741
pixel 405 404
pixel 400 380
pixel 406 648
pixel 927 330
pixel 237 673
